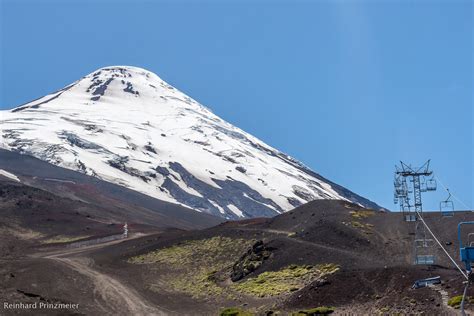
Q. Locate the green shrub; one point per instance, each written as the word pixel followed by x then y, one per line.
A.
pixel 360 214
pixel 455 301
pixel 322 310
pixel 194 267
pixel 289 279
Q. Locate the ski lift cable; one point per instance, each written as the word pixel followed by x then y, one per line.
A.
pixel 455 197
pixel 464 298
pixel 449 195
pixel 439 243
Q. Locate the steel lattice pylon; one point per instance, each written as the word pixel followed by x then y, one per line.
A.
pixel 413 180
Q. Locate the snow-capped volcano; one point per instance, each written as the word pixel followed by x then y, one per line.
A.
pixel 127 126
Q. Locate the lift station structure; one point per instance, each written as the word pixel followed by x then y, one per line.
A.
pixel 409 184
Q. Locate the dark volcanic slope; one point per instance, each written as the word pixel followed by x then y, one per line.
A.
pixel 125 204
pixel 245 263
pixel 372 238
pixel 374 252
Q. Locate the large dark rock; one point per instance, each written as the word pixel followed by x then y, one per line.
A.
pixel 250 261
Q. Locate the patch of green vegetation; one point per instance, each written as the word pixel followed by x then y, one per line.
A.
pixel 455 301
pixel 194 267
pixel 365 228
pixel 198 283
pixel 60 239
pixel 291 278
pixel 357 224
pixel 194 251
pixel 322 310
pixel 361 214
pixel 233 311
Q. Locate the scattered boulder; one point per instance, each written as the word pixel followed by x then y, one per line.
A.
pixel 250 261
pixel 321 283
pixel 241 169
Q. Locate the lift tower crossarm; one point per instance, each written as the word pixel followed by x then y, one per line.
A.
pixel 408 171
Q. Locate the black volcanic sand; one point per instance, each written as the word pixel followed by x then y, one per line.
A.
pixel 372 249
pixel 375 273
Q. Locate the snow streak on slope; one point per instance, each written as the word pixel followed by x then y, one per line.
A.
pixel 127 126
pixel 9 175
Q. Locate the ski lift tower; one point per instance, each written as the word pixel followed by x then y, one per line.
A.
pixel 410 180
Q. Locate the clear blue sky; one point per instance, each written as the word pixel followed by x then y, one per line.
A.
pixel 347 87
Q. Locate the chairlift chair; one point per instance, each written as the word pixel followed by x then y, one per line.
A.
pixel 431 185
pixel 446 207
pixel 470 239
pixel 423 186
pixel 466 251
pixel 424 242
pixel 425 259
pixel 424 254
pixel 423 247
pixel 401 191
pixel 405 192
pixel 397 183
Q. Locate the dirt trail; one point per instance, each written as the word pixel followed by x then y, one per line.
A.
pixel 110 295
pixel 287 235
